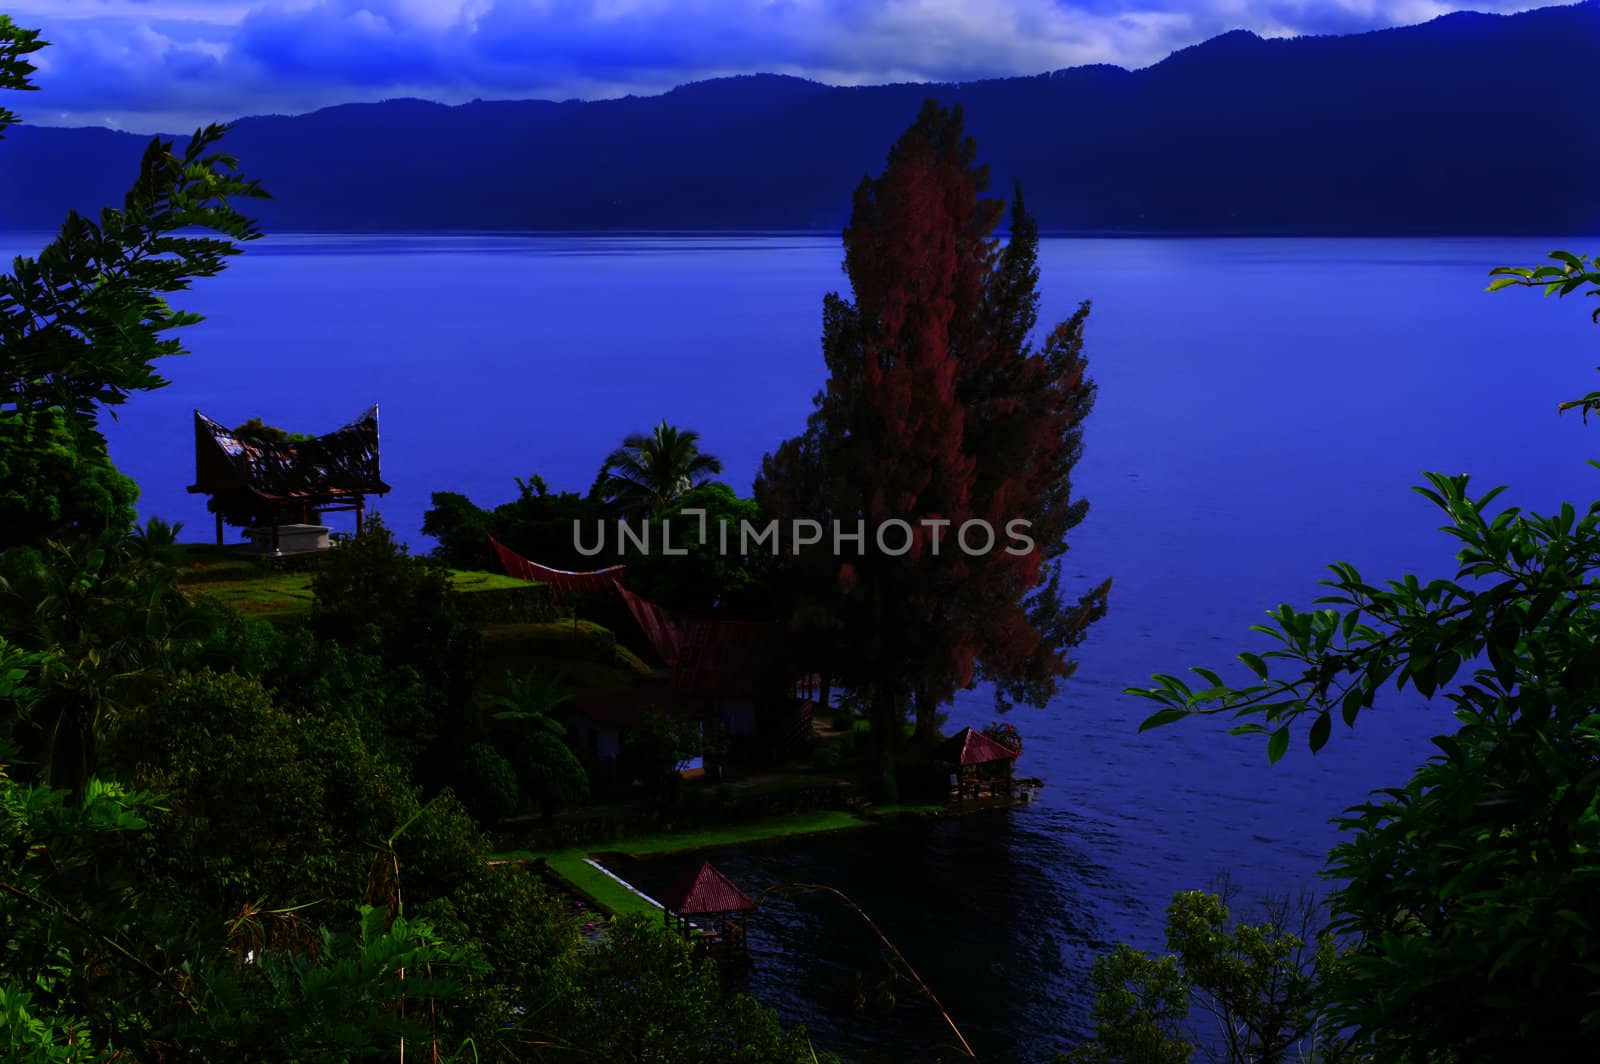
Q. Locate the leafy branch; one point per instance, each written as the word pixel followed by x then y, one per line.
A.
pixel 1522 595
pixel 15 43
pixel 1566 275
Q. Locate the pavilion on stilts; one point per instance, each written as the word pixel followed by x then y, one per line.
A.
pixel 708 910
pixel 982 766
pixel 286 483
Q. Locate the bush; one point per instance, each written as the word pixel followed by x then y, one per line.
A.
pixel 374 578
pixel 640 994
pixel 1262 982
pixel 487 784
pixel 57 481
pixel 827 756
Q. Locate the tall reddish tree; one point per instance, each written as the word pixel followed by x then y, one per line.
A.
pixel 937 412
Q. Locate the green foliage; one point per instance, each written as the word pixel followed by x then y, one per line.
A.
pixel 29 1035
pixel 396 713
pixel 156 542
pixel 374 578
pixel 351 996
pixel 1140 1011
pixel 703 577
pixel 82 324
pixel 656 750
pixel 1519 601
pixel 261 432
pixel 462 529
pixel 487 784
pixel 16 44
pixel 265 804
pixel 73 918
pixel 1472 884
pixel 650 472
pixel 114 625
pixel 1261 981
pixel 549 773
pixel 537 524
pixel 640 995
pixel 99 954
pixel 57 481
pixel 214 922
pixel 1568 274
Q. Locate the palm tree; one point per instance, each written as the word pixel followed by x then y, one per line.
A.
pixel 648 473
pixel 548 771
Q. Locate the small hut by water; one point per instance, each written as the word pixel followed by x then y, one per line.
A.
pixel 982 766
pixel 708 910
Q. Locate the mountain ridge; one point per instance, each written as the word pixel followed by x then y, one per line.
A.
pixel 1424 129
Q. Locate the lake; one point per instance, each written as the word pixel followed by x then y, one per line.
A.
pixel 1264 407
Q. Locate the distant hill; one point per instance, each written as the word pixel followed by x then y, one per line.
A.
pixel 1467 124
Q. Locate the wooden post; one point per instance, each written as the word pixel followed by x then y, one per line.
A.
pixel 275 532
pixel 361 513
pixel 219 528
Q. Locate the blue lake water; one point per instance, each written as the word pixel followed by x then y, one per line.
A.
pixel 1264 406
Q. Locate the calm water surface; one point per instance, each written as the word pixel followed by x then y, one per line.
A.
pixel 1264 406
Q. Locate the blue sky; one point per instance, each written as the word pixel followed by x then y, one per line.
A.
pixel 168 65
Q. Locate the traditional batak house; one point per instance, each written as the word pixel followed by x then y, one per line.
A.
pixel 286 483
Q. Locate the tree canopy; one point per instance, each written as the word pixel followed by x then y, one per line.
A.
pixel 938 413
pixel 651 470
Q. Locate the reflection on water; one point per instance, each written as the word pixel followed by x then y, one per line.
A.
pixel 999 912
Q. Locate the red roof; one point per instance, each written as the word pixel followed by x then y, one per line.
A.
pixel 968 747
pixel 726 659
pixel 719 658
pixel 663 628
pixel 705 890
pixel 561 582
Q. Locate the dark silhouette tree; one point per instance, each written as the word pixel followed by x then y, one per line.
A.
pixel 937 413
pixel 650 471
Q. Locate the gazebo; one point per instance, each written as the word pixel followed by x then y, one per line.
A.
pixel 973 753
pixel 718 909
pixel 336 471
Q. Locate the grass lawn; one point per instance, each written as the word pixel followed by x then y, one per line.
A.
pixel 909 809
pixel 569 863
pixel 257 591
pixel 586 654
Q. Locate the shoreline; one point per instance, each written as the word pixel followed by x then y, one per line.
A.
pixel 601 888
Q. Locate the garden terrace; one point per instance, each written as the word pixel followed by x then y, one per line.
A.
pixel 279 590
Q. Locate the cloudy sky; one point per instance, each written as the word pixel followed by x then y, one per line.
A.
pixel 168 65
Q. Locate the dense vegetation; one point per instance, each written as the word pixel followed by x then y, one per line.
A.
pixel 221 840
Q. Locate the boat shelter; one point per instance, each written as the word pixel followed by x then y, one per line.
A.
pixel 287 482
pixel 982 766
pixel 708 910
